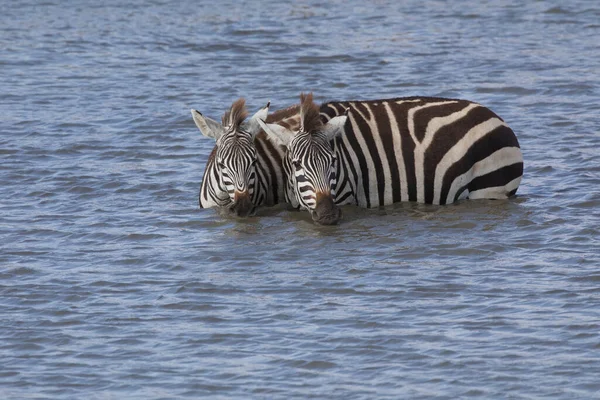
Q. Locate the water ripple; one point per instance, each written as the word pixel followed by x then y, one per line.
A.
pixel 115 283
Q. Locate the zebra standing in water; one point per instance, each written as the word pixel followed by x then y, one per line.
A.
pixel 429 150
pixel 244 169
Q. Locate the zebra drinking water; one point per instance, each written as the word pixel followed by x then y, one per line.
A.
pixel 429 150
pixel 243 170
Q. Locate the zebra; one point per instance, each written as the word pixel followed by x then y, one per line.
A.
pixel 243 170
pixel 379 152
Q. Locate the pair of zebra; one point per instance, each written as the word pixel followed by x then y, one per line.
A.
pixel 367 153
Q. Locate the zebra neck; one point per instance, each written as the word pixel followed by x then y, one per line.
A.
pixel 346 180
pixel 270 175
pixel 263 189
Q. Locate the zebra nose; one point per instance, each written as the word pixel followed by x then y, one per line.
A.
pixel 242 203
pixel 326 212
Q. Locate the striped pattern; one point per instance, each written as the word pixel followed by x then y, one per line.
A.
pixel 235 155
pixel 429 150
pixel 266 185
pixel 313 173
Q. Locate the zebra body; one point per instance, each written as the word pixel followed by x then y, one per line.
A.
pixel 429 150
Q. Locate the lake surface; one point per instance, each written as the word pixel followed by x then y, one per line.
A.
pixel 114 284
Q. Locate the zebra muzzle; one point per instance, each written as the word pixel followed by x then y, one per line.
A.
pixel 326 212
pixel 242 203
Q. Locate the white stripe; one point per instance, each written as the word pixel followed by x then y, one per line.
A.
pixel 358 191
pixel 341 178
pixel 374 187
pixel 433 126
pixel 331 107
pixel 264 160
pixel 501 158
pixel 409 101
pixel 214 195
pixel 459 150
pixel 397 140
pixel 360 195
pixel 500 192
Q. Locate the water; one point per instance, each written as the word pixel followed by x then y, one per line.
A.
pixel 113 284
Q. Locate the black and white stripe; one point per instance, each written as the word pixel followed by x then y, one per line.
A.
pixel 312 170
pixel 243 159
pixel 429 150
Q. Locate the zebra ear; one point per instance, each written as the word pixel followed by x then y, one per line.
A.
pixel 277 133
pixel 207 126
pixel 335 126
pixel 253 126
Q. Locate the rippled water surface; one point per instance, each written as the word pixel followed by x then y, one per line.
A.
pixel 114 284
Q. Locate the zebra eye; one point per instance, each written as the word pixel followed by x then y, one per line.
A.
pixel 253 162
pixel 296 164
pixel 220 165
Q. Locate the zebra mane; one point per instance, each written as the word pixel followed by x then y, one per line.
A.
pixel 234 117
pixel 279 115
pixel 310 118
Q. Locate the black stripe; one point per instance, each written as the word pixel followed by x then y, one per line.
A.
pixel 424 116
pixel 362 162
pixel 265 148
pixel 301 178
pixel 341 176
pixel 346 161
pixel 495 140
pixel 349 134
pixel 458 193
pixel 209 166
pixel 368 137
pixel 408 147
pixel 446 137
pixel 378 162
pixel 331 110
pixel 384 129
pixel 340 200
pixel 499 177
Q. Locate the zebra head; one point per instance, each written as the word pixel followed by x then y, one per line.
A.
pixel 230 175
pixel 310 163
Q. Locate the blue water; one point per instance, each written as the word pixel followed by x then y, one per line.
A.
pixel 114 284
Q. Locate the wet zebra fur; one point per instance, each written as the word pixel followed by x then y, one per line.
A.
pixel 424 149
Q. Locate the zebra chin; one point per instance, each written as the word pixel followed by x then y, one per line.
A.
pixel 326 212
